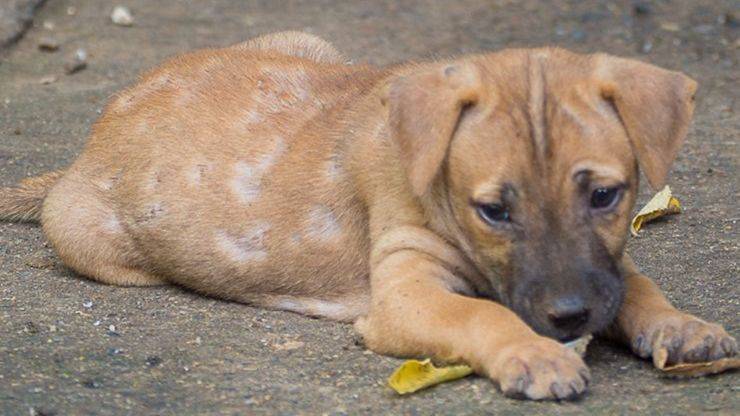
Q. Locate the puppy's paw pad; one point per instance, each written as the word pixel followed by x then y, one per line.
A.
pixel 541 369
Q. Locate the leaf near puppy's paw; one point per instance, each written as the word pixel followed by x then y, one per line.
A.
pixel 701 369
pixel 580 345
pixel 663 203
pixel 415 375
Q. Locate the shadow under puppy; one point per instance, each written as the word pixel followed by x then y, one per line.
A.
pixel 474 210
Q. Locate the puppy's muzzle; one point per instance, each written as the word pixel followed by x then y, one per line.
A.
pixel 569 305
pixel 568 314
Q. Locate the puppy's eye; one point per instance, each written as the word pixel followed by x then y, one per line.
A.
pixel 605 198
pixel 493 213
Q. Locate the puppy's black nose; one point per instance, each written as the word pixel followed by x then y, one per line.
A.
pixel 568 313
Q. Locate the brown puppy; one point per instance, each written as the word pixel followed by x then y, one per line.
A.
pixel 471 210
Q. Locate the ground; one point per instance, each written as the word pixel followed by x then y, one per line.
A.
pixel 71 346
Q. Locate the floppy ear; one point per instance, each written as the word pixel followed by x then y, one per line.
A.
pixel 655 106
pixel 425 107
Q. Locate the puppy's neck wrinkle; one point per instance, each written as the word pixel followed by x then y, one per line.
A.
pixel 536 106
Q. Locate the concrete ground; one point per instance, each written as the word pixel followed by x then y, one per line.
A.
pixel 70 346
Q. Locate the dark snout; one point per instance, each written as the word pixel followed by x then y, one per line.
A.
pixel 568 305
pixel 568 313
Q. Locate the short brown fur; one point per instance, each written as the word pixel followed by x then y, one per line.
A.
pixel 274 173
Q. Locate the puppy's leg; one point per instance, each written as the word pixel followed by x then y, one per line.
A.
pixel 646 314
pixel 89 237
pixel 415 311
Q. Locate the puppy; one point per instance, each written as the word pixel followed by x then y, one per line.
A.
pixel 473 210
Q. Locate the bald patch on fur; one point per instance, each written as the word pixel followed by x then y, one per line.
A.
pixel 322 224
pixel 333 169
pixel 251 117
pixel 150 213
pixel 247 181
pixel 246 247
pixel 280 89
pixel 112 224
pixel 196 173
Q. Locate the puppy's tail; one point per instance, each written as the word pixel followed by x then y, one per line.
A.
pixel 22 203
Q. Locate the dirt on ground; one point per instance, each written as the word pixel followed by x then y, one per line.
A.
pixel 69 346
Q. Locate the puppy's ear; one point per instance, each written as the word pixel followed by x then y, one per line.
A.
pixel 655 106
pixel 425 108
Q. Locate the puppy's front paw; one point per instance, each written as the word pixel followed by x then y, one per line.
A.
pixel 540 368
pixel 684 338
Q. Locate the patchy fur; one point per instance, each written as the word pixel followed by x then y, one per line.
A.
pixel 276 174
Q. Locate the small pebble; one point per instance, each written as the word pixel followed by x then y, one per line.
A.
pixel 641 9
pixel 647 46
pixel 112 328
pixel 96 323
pixel 31 328
pixel 289 345
pixel 39 260
pixel 48 79
pixel 730 20
pixel 87 304
pixel 48 25
pixel 48 44
pixel 41 411
pixel 153 361
pixel 670 27
pixel 703 29
pixel 91 384
pixel 122 16
pixel 77 62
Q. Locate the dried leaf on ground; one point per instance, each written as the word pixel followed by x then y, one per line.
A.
pixel 685 370
pixel 415 375
pixel 662 204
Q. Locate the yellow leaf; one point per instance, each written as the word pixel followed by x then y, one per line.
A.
pixel 415 375
pixel 579 345
pixel 663 203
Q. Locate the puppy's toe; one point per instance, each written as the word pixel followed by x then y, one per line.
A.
pixel 668 338
pixel 514 379
pixel 704 341
pixel 686 339
pixel 729 346
pixel 543 369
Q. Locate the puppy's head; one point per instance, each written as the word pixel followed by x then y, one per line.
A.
pixel 528 160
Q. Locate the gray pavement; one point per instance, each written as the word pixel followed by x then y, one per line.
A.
pixel 72 347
